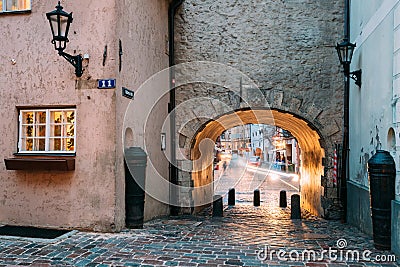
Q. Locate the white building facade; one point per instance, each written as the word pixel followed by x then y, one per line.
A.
pixel 374 107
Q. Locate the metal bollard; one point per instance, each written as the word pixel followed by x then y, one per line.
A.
pixel 295 212
pixel 231 197
pixel 282 199
pixel 256 199
pixel 218 207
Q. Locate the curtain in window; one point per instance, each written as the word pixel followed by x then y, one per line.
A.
pixel 14 5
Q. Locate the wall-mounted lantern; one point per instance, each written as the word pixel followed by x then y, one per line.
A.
pixel 59 24
pixel 345 52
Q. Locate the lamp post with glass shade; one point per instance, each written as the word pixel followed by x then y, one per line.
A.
pixel 59 24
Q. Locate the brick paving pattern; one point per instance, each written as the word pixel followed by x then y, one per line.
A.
pixel 233 240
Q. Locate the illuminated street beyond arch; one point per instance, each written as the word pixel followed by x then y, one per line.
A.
pixel 311 167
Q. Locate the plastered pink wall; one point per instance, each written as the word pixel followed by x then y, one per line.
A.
pixel 143 31
pixel 91 197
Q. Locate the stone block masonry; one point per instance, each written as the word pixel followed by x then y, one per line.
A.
pixel 285 47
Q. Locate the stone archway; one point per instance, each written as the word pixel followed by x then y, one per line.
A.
pixel 209 93
pixel 309 139
pixel 292 77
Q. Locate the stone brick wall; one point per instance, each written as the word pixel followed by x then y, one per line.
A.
pixel 286 47
pixel 281 45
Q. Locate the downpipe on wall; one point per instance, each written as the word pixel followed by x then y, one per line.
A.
pixel 346 103
pixel 173 170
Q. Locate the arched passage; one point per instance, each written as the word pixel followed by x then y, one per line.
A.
pixel 311 168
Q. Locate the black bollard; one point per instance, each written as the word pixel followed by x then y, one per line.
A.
pixel 256 199
pixel 382 177
pixel 295 210
pixel 135 177
pixel 282 199
pixel 218 207
pixel 231 197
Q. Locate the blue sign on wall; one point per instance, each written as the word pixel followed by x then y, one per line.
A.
pixel 106 83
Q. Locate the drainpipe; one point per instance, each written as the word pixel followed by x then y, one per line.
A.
pixel 173 170
pixel 346 103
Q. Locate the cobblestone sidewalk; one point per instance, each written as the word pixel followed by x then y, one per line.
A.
pixel 240 238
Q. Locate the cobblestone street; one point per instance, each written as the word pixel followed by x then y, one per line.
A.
pixel 232 133
pixel 240 238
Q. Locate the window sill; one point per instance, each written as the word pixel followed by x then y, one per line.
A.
pixel 42 164
pixel 45 154
pixel 15 12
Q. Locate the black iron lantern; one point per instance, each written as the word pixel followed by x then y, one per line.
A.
pixel 345 52
pixel 59 24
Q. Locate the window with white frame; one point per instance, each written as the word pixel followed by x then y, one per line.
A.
pixel 14 5
pixel 47 131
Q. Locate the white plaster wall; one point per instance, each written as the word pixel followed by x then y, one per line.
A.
pixel 396 91
pixel 370 106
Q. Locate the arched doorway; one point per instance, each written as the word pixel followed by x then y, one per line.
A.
pixel 311 168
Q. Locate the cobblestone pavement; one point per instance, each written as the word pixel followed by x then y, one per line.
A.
pixel 245 179
pixel 240 238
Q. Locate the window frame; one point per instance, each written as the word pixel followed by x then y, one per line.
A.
pixel 3 7
pixel 48 136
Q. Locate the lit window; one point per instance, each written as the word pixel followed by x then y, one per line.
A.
pixel 47 130
pixel 15 5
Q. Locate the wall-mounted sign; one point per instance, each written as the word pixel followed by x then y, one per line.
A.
pixel 128 93
pixel 106 83
pixel 163 141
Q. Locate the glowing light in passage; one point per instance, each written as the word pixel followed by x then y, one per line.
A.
pixel 274 176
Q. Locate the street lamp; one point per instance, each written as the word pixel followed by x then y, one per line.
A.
pixel 345 52
pixel 59 24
